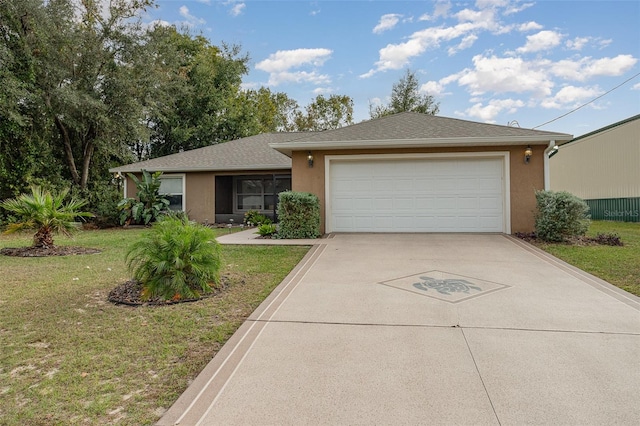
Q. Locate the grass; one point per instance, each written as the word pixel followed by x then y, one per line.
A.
pixel 619 266
pixel 69 357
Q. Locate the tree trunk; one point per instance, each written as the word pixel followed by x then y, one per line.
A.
pixel 67 149
pixel 86 162
pixel 43 238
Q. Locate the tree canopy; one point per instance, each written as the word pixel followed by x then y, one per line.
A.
pixel 406 96
pixel 85 87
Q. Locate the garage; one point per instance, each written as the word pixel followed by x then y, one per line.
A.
pixel 465 193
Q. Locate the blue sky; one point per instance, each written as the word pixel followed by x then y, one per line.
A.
pixel 491 61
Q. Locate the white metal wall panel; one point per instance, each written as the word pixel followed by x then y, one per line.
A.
pixel 604 165
pixel 417 195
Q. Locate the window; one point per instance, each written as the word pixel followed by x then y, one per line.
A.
pixel 172 187
pixel 259 192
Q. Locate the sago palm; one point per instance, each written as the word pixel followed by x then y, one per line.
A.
pixel 45 212
pixel 175 260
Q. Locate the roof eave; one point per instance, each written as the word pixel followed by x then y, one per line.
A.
pixel 252 168
pixel 288 147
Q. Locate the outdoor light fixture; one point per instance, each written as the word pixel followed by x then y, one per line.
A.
pixel 527 155
pixel 310 159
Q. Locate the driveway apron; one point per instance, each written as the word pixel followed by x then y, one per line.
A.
pixel 429 329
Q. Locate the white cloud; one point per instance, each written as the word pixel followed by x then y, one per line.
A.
pixel 571 97
pixel 387 22
pixel 544 40
pixel 483 4
pixel 237 9
pixel 529 26
pixel 577 43
pixel 279 64
pixel 466 43
pixel 585 68
pixel 517 7
pixel 501 75
pixel 433 88
pixel 604 43
pixel 204 1
pixel 286 59
pixel 322 90
pixel 489 112
pixel 440 10
pixel 191 20
pixel 635 86
pixel 470 23
pixel 313 77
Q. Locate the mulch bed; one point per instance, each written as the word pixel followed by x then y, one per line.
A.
pixel 129 293
pixel 598 240
pixel 48 251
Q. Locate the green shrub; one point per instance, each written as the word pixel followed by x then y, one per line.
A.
pixel 298 215
pixel 176 259
pixel 255 218
pixel 267 230
pixel 149 205
pixel 560 215
pixel 102 200
pixel 46 212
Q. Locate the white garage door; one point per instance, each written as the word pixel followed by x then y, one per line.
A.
pixel 417 195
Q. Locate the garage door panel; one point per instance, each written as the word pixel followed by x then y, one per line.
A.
pixel 419 195
pixel 360 204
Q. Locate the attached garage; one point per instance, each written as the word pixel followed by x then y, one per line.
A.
pixel 428 193
pixel 412 172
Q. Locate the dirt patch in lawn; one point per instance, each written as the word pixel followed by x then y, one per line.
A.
pixel 47 251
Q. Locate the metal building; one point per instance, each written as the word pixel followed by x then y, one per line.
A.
pixel 603 168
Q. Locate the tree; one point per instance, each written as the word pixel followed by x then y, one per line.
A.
pixel 46 212
pixel 75 58
pixel 25 153
pixel 406 96
pixel 195 93
pixel 272 111
pixel 325 114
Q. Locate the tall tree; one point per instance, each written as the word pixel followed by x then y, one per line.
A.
pixel 25 154
pixel 406 96
pixel 325 114
pixel 197 96
pixel 76 56
pixel 272 111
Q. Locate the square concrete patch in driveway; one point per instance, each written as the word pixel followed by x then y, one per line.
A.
pixel 445 286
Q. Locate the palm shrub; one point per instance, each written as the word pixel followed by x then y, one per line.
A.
pixel 560 215
pixel 176 259
pixel 46 212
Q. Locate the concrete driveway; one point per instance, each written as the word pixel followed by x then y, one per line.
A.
pixel 429 329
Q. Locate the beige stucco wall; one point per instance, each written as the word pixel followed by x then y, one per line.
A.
pixel 200 190
pixel 604 165
pixel 525 179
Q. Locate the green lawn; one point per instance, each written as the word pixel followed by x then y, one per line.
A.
pixel 618 265
pixel 69 357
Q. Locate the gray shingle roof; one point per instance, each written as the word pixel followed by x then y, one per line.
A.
pixel 269 151
pixel 416 129
pixel 251 153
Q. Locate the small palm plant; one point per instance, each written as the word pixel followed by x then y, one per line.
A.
pixel 46 212
pixel 176 259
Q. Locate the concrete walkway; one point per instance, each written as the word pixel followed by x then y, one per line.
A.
pixel 427 329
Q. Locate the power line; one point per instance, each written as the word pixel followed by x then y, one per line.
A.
pixel 591 101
